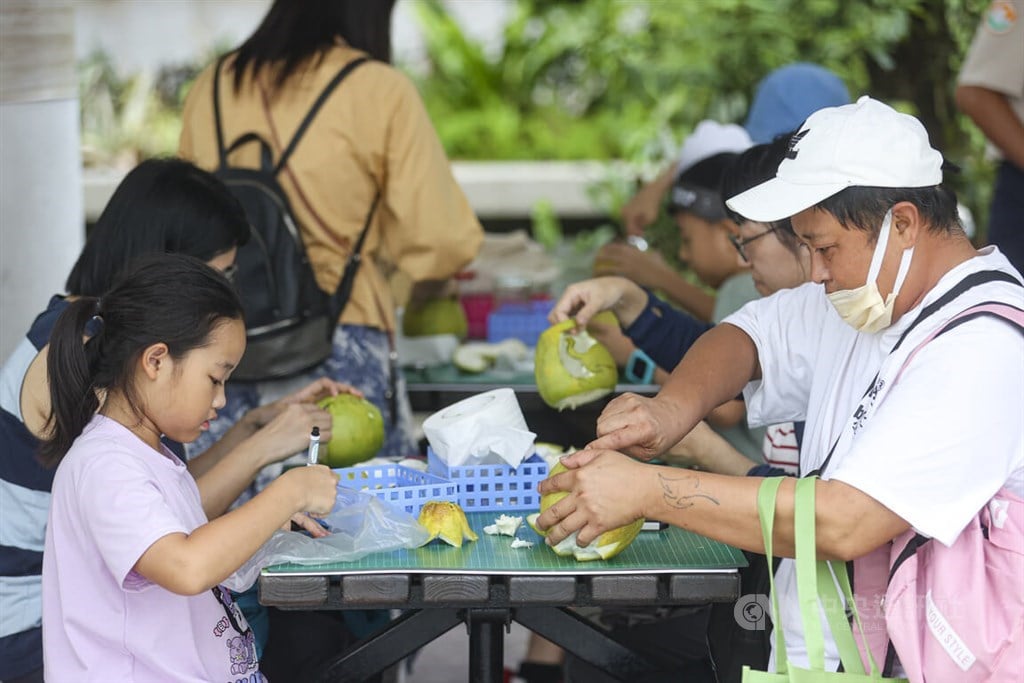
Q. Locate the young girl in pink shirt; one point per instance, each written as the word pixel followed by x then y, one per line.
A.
pixel 132 567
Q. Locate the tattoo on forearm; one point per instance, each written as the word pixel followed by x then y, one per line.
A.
pixel 683 493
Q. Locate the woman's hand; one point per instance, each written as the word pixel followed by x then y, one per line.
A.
pixel 318 389
pixel 288 432
pixel 639 426
pixel 583 300
pixel 596 501
pixel 311 393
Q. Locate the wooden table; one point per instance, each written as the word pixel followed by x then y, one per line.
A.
pixel 486 585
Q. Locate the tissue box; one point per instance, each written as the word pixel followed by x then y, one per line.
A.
pixel 484 488
pixel 403 487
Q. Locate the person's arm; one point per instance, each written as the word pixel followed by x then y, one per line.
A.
pixel 729 414
pixel 665 333
pixel 649 270
pixel 716 368
pixel 705 449
pixel 583 300
pixel 264 435
pixel 849 523
pixel 287 434
pixel 188 564
pixel 689 296
pixel 991 112
pixel 643 207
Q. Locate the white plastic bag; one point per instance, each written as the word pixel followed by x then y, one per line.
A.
pixel 360 524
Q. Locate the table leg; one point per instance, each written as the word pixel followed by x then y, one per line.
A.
pixel 586 641
pixel 486 644
pixel 398 640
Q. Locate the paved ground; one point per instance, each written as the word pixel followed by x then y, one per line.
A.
pixel 446 660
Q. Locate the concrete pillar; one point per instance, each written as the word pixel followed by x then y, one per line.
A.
pixel 41 215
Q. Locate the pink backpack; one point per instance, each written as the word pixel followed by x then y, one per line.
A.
pixel 950 613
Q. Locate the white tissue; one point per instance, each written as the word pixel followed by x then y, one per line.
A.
pixel 485 428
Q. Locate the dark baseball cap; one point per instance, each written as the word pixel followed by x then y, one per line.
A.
pixel 697 189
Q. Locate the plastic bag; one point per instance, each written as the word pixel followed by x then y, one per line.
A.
pixel 360 524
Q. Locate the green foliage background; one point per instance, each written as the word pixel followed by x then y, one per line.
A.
pixel 616 79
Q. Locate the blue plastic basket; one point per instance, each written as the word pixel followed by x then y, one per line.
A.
pixel 485 488
pixel 524 322
pixel 403 487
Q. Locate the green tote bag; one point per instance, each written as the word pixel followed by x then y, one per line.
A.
pixel 816 592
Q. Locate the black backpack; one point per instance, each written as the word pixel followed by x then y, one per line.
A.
pixel 289 320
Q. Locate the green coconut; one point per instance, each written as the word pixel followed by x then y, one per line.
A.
pixel 604 547
pixel 357 431
pixel 572 368
pixel 435 316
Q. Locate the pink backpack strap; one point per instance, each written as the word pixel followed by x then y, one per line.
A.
pixel 1011 314
pixel 874 572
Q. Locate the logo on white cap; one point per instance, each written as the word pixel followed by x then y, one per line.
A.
pixel 794 141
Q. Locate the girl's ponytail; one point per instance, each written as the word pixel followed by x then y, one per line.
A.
pixel 170 299
pixel 71 367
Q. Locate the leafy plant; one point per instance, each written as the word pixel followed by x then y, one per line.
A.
pixel 610 79
pixel 129 118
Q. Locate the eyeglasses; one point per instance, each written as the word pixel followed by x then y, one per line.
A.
pixel 740 244
pixel 230 272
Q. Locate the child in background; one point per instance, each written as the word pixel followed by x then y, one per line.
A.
pixel 132 566
pixel 648 268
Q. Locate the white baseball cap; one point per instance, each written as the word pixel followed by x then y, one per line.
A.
pixel 867 144
pixel 710 138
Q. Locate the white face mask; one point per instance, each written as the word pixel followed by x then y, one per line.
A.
pixel 863 308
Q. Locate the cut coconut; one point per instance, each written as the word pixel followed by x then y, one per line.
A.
pixel 472 358
pixel 604 547
pixel 572 368
pixel 476 357
pixel 574 402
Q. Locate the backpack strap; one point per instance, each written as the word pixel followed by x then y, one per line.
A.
pixel 969 282
pixel 222 153
pixel 973 280
pixel 355 258
pixel 1011 314
pixel 311 114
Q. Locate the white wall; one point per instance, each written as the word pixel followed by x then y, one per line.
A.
pixel 41 228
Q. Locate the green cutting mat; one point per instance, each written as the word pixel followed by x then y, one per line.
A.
pixel 669 551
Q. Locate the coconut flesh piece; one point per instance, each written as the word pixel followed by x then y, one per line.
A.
pixel 568 546
pixel 504 525
pixel 570 348
pixel 596 550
